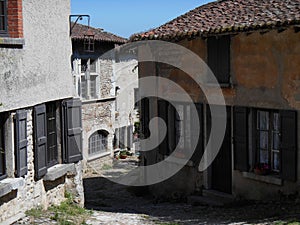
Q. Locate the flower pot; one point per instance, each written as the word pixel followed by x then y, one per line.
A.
pixel 123 156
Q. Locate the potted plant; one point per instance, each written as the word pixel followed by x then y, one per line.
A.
pixel 123 154
pixel 262 169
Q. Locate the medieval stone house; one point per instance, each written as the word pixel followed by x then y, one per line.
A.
pixel 253 49
pixel 40 129
pixel 100 73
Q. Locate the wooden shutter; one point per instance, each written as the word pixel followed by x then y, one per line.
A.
pixel 219 57
pixel 117 138
pixel 199 145
pixel 288 145
pixel 163 114
pixel 40 140
pixel 240 135
pixel 171 129
pixel 72 131
pixel 129 136
pixel 145 117
pixel 21 142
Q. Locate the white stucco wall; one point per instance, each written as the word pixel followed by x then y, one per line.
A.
pixel 126 75
pixel 41 71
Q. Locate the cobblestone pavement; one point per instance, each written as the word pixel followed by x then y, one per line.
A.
pixel 114 204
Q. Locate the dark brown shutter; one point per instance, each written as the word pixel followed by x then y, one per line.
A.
pixel 199 145
pixel 163 114
pixel 40 140
pixel 117 138
pixel 145 117
pixel 288 145
pixel 21 143
pixel 219 57
pixel 72 131
pixel 240 135
pixel 122 137
pixel 129 136
pixel 171 128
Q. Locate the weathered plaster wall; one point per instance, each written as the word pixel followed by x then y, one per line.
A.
pixel 265 69
pixel 40 71
pixel 126 76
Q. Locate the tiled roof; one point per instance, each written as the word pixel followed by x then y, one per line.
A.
pixel 228 16
pixel 79 30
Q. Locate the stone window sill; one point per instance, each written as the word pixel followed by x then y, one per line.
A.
pixel 19 42
pixel 266 178
pixel 10 184
pixel 179 161
pixel 90 101
pixel 97 156
pixel 58 171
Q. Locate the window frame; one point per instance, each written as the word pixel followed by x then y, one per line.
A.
pixel 52 113
pixel 101 140
pixel 88 71
pixel 4 32
pixel 270 130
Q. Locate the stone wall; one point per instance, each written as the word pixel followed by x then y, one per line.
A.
pixel 27 192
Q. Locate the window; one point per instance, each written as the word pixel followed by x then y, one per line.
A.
pixel 3 16
pixel 266 136
pixel 89 85
pixel 180 127
pixel 98 142
pixel 52 152
pixel 268 129
pixel 218 56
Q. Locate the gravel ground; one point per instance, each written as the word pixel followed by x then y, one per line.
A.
pixel 115 204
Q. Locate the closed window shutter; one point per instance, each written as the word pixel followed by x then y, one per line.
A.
pixel 145 117
pixel 240 133
pixel 72 131
pixel 21 143
pixel 197 139
pixel 163 114
pixel 40 140
pixel 171 128
pixel 219 57
pixel 288 145
pixel 129 136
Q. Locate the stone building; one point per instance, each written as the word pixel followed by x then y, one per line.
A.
pixel 253 49
pixel 100 72
pixel 40 129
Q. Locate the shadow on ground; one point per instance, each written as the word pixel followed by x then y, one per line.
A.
pixel 103 195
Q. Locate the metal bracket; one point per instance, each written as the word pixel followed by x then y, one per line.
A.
pixel 78 17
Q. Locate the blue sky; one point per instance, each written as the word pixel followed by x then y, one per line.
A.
pixel 126 17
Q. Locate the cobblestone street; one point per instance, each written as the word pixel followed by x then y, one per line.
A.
pixel 115 204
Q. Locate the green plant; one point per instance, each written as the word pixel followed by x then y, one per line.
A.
pixel 106 167
pixel 35 212
pixel 67 213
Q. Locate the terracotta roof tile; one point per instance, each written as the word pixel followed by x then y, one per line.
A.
pixel 227 16
pixel 79 30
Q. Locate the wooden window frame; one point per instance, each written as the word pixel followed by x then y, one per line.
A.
pixel 4 31
pixel 51 113
pixel 270 132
